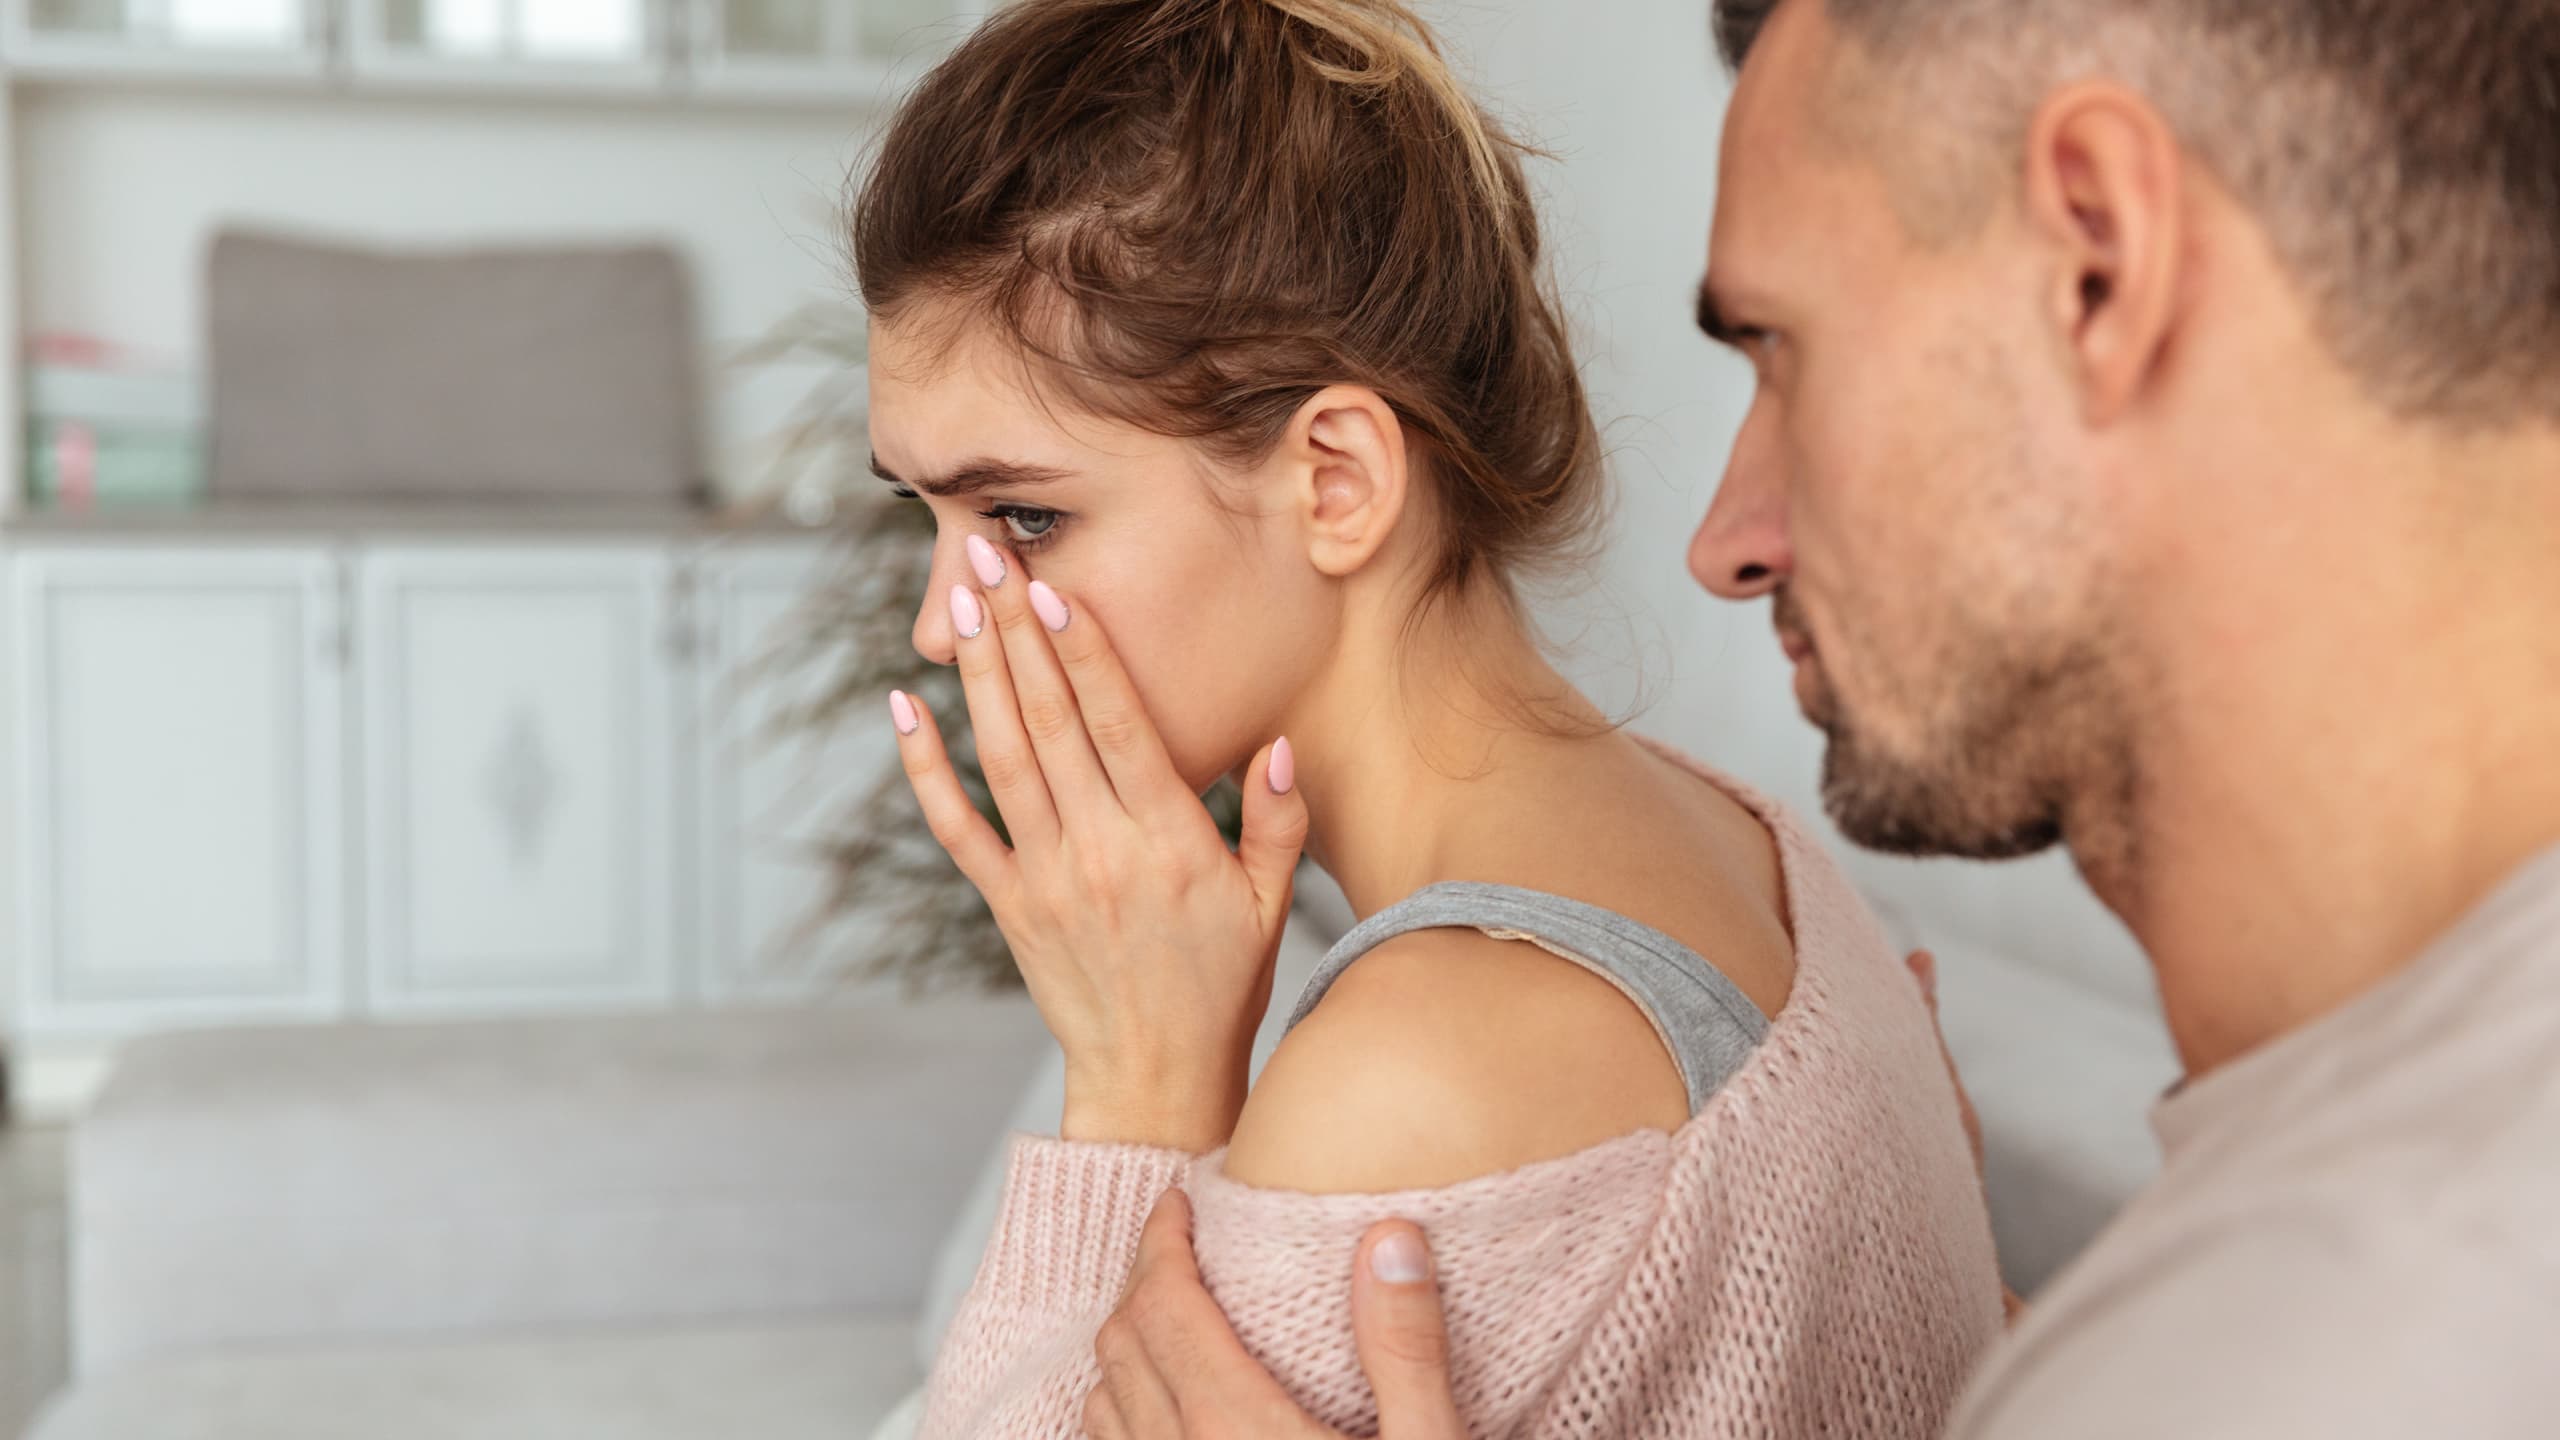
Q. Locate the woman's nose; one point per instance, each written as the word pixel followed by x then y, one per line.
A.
pixel 932 634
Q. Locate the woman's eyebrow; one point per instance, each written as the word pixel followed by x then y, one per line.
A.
pixel 974 476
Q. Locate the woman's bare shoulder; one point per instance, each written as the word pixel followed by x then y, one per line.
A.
pixel 1445 1055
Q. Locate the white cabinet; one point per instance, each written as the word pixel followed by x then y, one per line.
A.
pixel 519 787
pixel 180 786
pixel 769 791
pixel 397 777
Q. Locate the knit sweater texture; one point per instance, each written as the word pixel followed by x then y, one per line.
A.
pixel 1808 1256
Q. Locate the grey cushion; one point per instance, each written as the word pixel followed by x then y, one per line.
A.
pixel 557 375
pixel 811 1382
pixel 335 1182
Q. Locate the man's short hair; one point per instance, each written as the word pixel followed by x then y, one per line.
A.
pixel 2403 155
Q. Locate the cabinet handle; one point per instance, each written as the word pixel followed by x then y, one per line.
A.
pixel 336 645
pixel 681 639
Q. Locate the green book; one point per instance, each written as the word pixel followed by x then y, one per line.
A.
pixel 126 466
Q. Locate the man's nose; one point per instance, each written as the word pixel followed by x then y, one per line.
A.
pixel 1741 550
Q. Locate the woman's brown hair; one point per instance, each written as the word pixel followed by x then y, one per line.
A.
pixel 1196 214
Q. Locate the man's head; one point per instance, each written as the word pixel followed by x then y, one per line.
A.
pixel 2046 300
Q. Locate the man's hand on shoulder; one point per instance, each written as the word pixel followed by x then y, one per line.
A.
pixel 1173 1369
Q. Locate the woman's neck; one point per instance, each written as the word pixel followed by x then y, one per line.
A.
pixel 1411 746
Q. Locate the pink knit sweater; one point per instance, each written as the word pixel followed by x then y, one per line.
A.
pixel 1808 1256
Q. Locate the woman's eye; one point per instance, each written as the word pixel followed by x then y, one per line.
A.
pixel 1027 525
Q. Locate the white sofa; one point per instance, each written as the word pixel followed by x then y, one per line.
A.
pixel 747 1224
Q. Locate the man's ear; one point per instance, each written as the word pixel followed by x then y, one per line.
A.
pixel 2104 189
pixel 1348 474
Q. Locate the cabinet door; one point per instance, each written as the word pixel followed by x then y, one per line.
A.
pixel 770 793
pixel 180 752
pixel 517 790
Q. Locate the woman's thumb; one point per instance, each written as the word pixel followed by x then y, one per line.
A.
pixel 1275 825
pixel 1404 1342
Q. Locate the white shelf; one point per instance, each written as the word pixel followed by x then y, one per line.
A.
pixel 62 59
pixel 759 80
pixel 361 62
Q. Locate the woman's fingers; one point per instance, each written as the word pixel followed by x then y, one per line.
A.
pixel 954 821
pixel 1005 755
pixel 1042 695
pixel 1115 722
pixel 1275 827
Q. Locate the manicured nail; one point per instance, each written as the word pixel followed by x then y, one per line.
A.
pixel 986 560
pixel 1049 606
pixel 1284 767
pixel 1400 1259
pixel 966 617
pixel 902 711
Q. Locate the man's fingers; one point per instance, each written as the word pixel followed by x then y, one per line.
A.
pixel 1164 1246
pixel 1132 1395
pixel 948 813
pixel 1115 721
pixel 1169 1332
pixel 1924 969
pixel 1275 827
pixel 1404 1339
pixel 1005 755
pixel 1102 1418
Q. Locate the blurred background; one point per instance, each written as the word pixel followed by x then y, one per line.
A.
pixel 469 965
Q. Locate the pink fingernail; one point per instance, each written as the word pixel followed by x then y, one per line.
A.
pixel 1049 606
pixel 902 711
pixel 1284 767
pixel 986 560
pixel 966 617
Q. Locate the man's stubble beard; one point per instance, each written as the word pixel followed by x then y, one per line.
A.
pixel 2010 753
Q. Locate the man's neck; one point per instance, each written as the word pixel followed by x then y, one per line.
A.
pixel 2357 739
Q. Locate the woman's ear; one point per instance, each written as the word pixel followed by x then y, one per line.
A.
pixel 1345 464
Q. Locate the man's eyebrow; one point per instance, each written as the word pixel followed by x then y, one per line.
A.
pixel 975 476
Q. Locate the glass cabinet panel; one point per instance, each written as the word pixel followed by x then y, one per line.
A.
pixel 891 28
pixel 777 28
pixel 826 32
pixel 563 30
pixel 215 24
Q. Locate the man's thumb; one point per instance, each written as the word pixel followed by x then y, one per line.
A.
pixel 1404 1342
pixel 1275 825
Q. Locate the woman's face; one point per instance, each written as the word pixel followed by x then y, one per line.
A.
pixel 1198 574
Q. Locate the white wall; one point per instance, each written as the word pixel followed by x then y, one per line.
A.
pixel 1629 96
pixel 122 189
pixel 128 186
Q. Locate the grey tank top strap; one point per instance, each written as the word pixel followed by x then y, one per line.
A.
pixel 1707 1023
